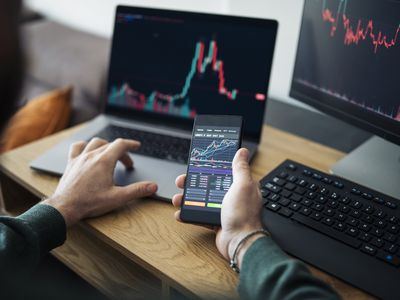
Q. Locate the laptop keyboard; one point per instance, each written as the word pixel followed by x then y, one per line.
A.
pixel 154 145
pixel 345 211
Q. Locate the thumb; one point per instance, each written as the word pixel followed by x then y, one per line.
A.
pixel 137 190
pixel 240 166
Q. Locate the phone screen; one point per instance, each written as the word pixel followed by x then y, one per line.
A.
pixel 215 141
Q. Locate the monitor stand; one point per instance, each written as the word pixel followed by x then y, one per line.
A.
pixel 374 164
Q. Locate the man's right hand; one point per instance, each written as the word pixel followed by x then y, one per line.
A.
pixel 241 208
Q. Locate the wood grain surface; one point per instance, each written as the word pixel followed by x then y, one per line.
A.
pixel 145 233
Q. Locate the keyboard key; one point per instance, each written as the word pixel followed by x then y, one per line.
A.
pixel 285 212
pixel 292 179
pixel 318 207
pixel 368 219
pixel 312 186
pixel 366 237
pixel 311 195
pixel 393 228
pixel 352 231
pixel 305 211
pixel 352 222
pixel 296 198
pixel 390 237
pixel 377 232
pixel 317 176
pixel 279 181
pixel 333 203
pixel 380 223
pixel 356 204
pixel 321 199
pixel 302 183
pixel 377 242
pixel 324 191
pixel 393 219
pixel 338 184
pixel 283 175
pixel 326 180
pixel 345 200
pixel 355 213
pixel 291 167
pixel 306 202
pixel 329 212
pixel 380 214
pixel 344 208
pixel 273 188
pixel 390 259
pixel 340 216
pixel 369 209
pixel 367 196
pixel 379 200
pixel 307 173
pixel 273 197
pixel 335 196
pixel 391 248
pixel 327 221
pixel 264 193
pixel 294 206
pixel 300 190
pixel 285 194
pixel 290 186
pixel 316 216
pixel 273 206
pixel 390 204
pixel 368 249
pixel 355 191
pixel 284 202
pixel 364 227
pixel 327 231
pixel 339 226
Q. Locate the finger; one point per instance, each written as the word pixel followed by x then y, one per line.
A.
pixel 180 181
pixel 240 166
pixel 119 147
pixel 178 216
pixel 94 144
pixel 76 149
pixel 177 200
pixel 136 190
pixel 127 161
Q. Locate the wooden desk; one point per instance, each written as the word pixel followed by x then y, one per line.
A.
pixel 141 250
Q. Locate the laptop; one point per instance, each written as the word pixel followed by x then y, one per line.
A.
pixel 165 68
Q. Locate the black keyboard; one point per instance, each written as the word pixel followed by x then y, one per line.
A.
pixel 153 144
pixel 346 229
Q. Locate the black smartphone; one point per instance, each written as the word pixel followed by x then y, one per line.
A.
pixel 215 140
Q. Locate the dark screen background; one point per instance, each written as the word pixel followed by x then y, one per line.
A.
pixel 154 51
pixel 351 78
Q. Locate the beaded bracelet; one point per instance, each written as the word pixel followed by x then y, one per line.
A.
pixel 233 262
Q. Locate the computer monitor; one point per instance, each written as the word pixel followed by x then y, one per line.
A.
pixel 347 65
pixel 169 66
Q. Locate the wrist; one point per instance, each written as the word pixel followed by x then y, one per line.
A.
pixel 68 214
pixel 246 244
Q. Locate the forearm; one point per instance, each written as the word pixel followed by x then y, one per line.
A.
pixel 26 238
pixel 268 273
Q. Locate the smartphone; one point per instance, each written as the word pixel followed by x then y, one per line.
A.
pixel 215 141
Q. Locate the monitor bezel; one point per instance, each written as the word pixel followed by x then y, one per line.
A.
pixel 173 121
pixel 347 112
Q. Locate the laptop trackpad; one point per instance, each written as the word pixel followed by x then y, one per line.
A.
pixel 150 169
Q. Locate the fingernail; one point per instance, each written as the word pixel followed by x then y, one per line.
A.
pixel 244 153
pixel 151 188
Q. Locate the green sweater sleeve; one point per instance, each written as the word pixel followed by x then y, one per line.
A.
pixel 26 238
pixel 268 273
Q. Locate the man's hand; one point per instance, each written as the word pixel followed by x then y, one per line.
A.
pixel 87 188
pixel 241 208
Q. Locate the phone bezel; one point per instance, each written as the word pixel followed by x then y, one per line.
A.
pixel 201 216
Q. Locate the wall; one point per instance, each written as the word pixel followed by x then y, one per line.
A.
pixel 97 17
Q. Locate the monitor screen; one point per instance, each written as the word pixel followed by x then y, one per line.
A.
pixel 348 60
pixel 173 65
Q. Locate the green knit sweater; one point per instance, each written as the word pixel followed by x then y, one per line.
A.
pixel 267 273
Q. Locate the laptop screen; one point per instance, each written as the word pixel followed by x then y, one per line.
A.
pixel 170 66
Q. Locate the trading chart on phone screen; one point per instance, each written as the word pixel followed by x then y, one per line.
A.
pixel 349 53
pixel 181 68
